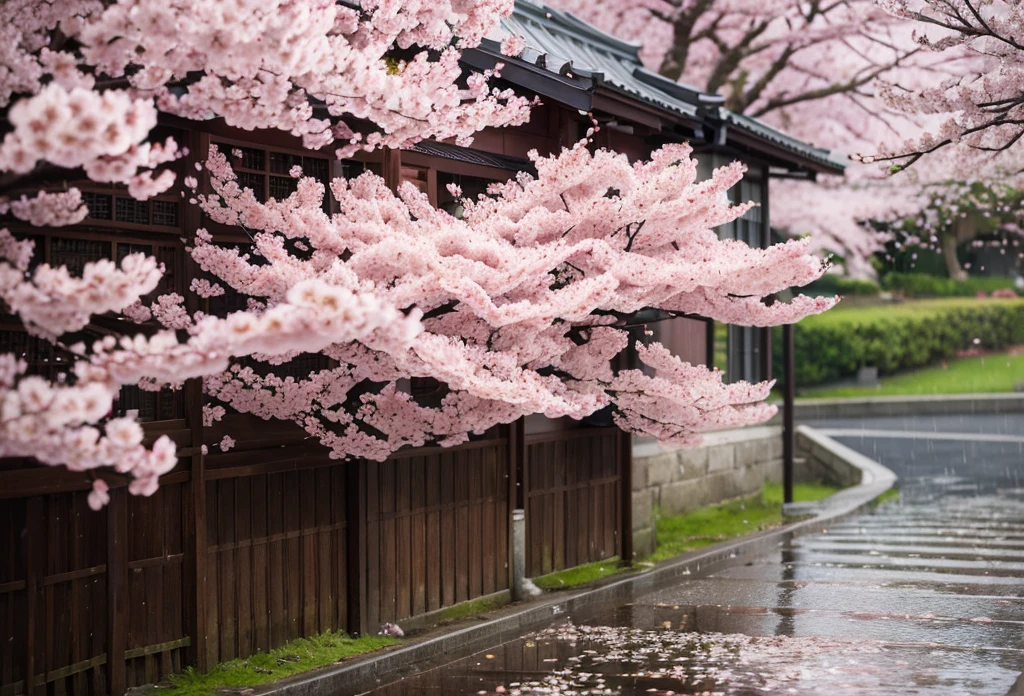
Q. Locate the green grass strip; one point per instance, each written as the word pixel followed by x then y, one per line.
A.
pixel 296 656
pixel 987 374
pixel 677 534
pixel 580 575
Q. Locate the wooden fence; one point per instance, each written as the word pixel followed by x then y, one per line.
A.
pixel 241 551
pixel 573 496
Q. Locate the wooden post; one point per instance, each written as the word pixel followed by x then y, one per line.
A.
pixel 625 455
pixel 117 589
pixel 194 587
pixel 788 433
pixel 392 173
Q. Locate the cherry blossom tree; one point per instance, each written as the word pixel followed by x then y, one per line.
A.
pixel 518 307
pixel 978 115
pixel 811 69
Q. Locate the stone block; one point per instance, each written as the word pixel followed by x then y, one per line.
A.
pixel 643 542
pixel 640 465
pixel 693 462
pixel 662 469
pixel 721 458
pixel 643 509
pixel 752 452
pixel 680 497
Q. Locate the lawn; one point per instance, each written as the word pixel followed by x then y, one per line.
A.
pixel 296 656
pixel 999 372
pixel 677 534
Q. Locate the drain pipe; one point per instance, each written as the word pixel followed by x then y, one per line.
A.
pixel 522 586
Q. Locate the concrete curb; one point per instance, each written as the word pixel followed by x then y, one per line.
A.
pixel 813 409
pixel 376 670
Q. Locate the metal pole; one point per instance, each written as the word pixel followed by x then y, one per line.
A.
pixel 789 395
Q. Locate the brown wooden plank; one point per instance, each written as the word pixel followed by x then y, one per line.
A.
pixel 293 555
pixel 277 605
pixel 490 544
pixel 244 570
pixel 432 544
pixel 325 561
pixel 228 574
pixel 260 592
pixel 448 534
pixel 308 565
pixel 211 620
pixel 371 607
pixel 475 557
pixel 117 588
pixel 403 541
pixel 461 527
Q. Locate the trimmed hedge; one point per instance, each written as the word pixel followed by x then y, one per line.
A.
pixel 837 344
pixel 922 285
pixel 831 284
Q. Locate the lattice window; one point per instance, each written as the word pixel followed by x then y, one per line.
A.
pixel 42 357
pixel 267 173
pixel 256 182
pixel 123 249
pixel 251 158
pixel 131 210
pixel 282 186
pixel 316 167
pixel 75 253
pixel 282 163
pixel 165 213
pixel 99 204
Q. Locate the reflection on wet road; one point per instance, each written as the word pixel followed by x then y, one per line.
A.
pixel 924 595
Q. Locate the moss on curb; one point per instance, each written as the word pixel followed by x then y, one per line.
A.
pixel 580 575
pixel 300 655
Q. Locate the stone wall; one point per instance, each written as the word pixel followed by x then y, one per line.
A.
pixel 729 464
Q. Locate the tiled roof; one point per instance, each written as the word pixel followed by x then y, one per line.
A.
pixel 561 44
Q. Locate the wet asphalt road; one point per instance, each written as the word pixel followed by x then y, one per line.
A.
pixel 923 595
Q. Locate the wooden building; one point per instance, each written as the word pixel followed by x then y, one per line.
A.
pixel 241 551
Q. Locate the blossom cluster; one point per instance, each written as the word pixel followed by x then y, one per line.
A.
pixel 525 299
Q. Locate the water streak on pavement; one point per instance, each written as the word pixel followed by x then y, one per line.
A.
pixel 920 596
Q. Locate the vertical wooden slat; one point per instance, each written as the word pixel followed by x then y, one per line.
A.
pixel 434 540
pixel 117 585
pixel 293 553
pixel 278 606
pixel 358 548
pixel 243 558
pixel 403 538
pixel 308 564
pixel 325 565
pixel 33 569
pixel 372 604
pixel 475 557
pixel 448 536
pixel 418 545
pixel 260 566
pixel 625 516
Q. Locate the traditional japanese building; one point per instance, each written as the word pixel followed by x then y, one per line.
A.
pixel 241 551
